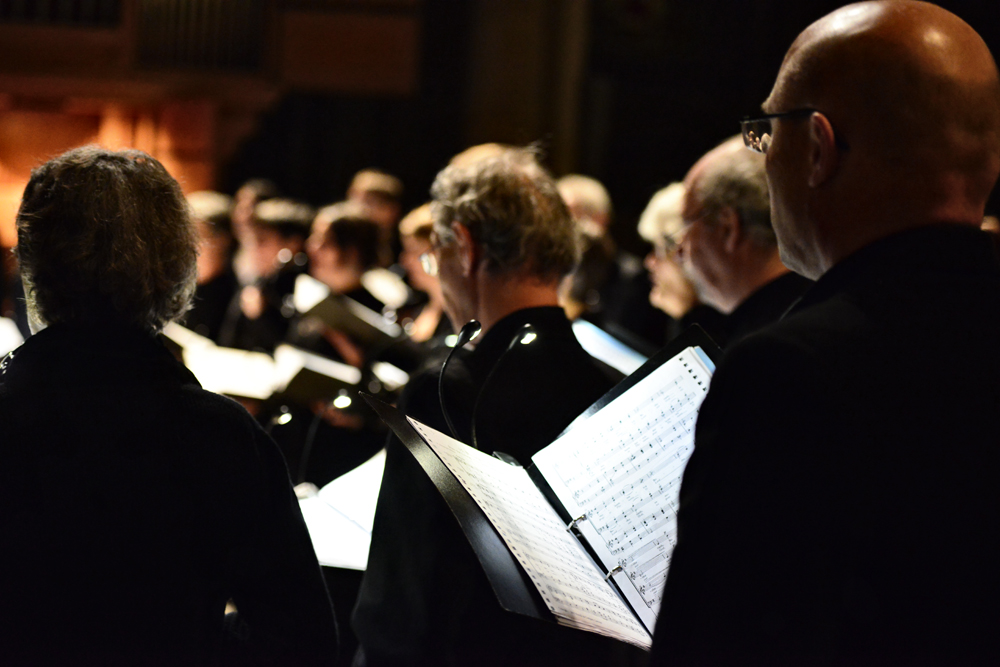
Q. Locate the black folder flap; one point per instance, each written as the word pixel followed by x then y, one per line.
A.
pixel 509 581
pixel 360 323
pixel 309 385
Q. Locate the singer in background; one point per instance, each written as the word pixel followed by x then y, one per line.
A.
pixel 502 241
pixel 134 504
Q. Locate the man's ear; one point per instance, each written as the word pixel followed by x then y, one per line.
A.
pixel 465 246
pixel 731 228
pixel 824 156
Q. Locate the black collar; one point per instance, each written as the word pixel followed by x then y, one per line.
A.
pixel 71 354
pixel 902 257
pixel 548 321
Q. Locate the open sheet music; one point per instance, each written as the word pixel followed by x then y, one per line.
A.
pixel 340 516
pixel 572 587
pixel 621 471
pixel 617 472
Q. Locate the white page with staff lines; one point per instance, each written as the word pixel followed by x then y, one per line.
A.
pixel 622 468
pixel 565 576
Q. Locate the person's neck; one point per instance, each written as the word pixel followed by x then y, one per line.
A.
pixel 757 272
pixel 859 214
pixel 507 294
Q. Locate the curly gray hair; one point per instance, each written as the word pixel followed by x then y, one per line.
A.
pixel 512 208
pixel 105 235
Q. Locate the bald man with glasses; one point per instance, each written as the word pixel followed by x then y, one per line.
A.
pixel 842 506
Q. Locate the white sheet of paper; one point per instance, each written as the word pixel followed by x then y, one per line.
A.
pixel 622 468
pixel 568 580
pixel 10 336
pixel 355 493
pixel 386 286
pixel 308 292
pixel 234 372
pixel 185 337
pixel 290 360
pixel 602 345
pixel 338 541
pixel 340 517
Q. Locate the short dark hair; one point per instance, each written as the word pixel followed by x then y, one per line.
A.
pixel 105 235
pixel 512 208
pixel 351 230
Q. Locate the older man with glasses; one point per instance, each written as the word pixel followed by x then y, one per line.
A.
pixel 841 505
pixel 726 245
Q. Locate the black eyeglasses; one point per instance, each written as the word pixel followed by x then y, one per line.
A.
pixel 757 131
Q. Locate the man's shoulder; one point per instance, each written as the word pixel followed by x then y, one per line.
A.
pixel 222 411
pixel 810 332
pixel 768 304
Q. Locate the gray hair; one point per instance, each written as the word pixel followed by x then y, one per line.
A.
pixel 586 194
pixel 512 208
pixel 736 179
pixel 105 235
pixel 663 215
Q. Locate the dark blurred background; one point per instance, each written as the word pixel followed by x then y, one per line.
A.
pixel 307 92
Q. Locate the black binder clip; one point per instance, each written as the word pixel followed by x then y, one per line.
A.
pixel 617 568
pixel 572 524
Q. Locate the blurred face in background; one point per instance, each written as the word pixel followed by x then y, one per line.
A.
pixel 380 208
pixel 317 235
pixel 332 265
pixel 270 249
pixel 409 259
pixel 242 217
pixel 214 247
pixel 671 291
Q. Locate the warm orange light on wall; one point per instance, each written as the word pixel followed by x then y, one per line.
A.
pixel 179 134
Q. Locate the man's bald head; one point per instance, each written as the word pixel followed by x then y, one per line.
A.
pixel 914 94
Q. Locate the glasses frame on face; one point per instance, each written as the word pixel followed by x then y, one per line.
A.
pixel 670 242
pixel 665 247
pixel 757 130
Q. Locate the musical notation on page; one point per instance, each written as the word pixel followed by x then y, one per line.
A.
pixel 623 469
pixel 570 583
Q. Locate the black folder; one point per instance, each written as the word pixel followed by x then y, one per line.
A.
pixel 511 583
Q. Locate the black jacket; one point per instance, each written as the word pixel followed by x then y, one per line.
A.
pixel 424 599
pixel 841 506
pixel 764 306
pixel 134 504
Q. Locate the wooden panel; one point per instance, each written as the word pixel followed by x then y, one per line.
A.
pixel 187 128
pixel 27 139
pixel 179 134
pixel 351 53
pixel 62 50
